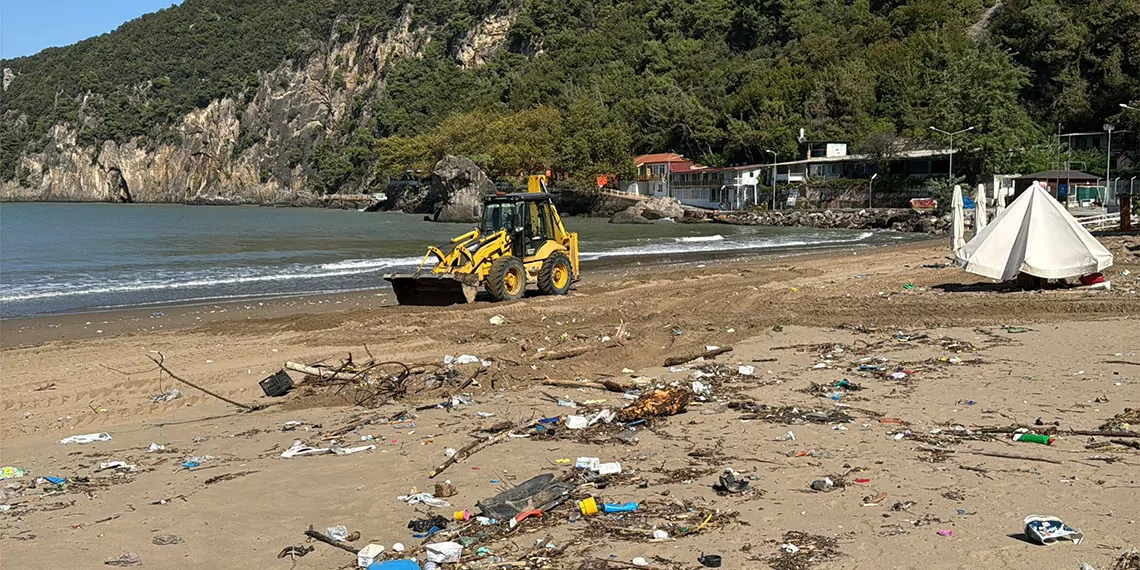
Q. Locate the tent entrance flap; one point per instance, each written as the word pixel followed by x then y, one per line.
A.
pixel 432 289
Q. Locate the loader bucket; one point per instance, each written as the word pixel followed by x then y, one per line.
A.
pixel 431 289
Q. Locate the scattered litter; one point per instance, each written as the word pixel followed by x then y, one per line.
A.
pixel 338 533
pixel 125 559
pixel 445 489
pixel 731 482
pixel 299 448
pixel 660 535
pixel 444 552
pixel 115 465
pixel 461 359
pixel 946 533
pixel 709 560
pixel 667 402
pixel 577 422
pixel 542 492
pixel 86 438
pixel 166 539
pixel 295 551
pixel 11 472
pixel 746 370
pixel 155 447
pixel 824 485
pixel 1048 530
pixel 1034 438
pixel 277 385
pixel 497 320
pixel 790 548
pixel 171 394
pixel 640 561
pixel 425 498
pixel 369 554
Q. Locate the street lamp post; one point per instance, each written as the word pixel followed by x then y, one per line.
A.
pixel 951 135
pixel 774 159
pixel 1123 106
pixel 1108 158
pixel 1130 181
pixel 870 183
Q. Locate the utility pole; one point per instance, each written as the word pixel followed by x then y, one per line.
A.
pixel 774 160
pixel 870 183
pixel 951 135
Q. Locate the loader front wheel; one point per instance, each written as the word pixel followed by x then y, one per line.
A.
pixel 507 279
pixel 554 276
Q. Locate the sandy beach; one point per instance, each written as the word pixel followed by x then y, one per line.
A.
pixel 918 483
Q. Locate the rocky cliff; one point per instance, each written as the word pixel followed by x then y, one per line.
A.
pixel 260 148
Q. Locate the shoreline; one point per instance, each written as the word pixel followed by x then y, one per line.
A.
pixel 104 322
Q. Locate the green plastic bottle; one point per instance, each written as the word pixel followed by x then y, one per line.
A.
pixel 1034 438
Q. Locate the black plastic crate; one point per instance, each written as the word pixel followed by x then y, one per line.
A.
pixel 277 385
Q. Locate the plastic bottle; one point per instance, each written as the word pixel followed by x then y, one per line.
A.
pixel 1034 438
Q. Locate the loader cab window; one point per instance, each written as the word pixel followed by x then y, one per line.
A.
pixel 539 227
pixel 501 216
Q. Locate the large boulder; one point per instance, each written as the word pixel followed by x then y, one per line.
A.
pixel 457 190
pixel 629 215
pixel 658 208
pixel 648 210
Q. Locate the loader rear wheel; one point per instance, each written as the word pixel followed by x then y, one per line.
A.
pixel 507 279
pixel 554 276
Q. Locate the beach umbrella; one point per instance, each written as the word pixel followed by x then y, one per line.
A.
pixel 999 203
pixel 1034 235
pixel 958 232
pixel 980 209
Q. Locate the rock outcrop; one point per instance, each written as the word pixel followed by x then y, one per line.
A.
pixel 457 190
pixel 648 210
pixel 898 219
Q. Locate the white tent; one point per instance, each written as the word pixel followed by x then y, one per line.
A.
pixel 958 231
pixel 1035 235
pixel 980 209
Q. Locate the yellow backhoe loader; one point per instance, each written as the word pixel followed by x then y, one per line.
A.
pixel 521 241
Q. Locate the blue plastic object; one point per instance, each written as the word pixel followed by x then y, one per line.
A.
pixel 430 532
pixel 56 480
pixel 394 565
pixel 625 508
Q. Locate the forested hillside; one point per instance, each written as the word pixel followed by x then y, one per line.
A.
pixel 320 96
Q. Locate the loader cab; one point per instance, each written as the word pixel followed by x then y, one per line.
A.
pixel 527 218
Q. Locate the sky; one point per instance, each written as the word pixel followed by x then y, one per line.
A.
pixel 28 26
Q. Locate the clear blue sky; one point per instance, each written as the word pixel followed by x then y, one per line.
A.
pixel 28 26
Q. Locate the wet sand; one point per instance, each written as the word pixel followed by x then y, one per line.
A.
pixel 242 506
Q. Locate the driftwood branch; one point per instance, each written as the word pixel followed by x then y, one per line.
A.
pixel 610 385
pixel 568 353
pixel 708 354
pixel 1011 456
pixel 473 448
pixel 163 367
pixel 322 373
pixel 322 538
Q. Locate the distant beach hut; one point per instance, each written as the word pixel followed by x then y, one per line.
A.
pixel 1035 236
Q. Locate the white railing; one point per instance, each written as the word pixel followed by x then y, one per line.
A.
pixel 622 193
pixel 1100 221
